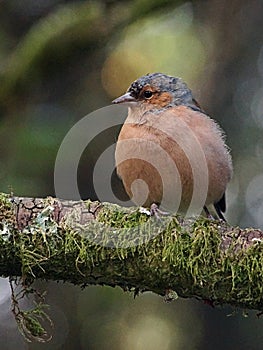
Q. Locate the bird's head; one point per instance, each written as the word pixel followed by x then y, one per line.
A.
pixel 156 91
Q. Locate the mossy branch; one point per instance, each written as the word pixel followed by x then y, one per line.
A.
pixel 100 243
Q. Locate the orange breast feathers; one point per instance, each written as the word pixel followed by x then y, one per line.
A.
pixel 176 158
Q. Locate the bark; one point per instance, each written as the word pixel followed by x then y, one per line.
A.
pixel 96 243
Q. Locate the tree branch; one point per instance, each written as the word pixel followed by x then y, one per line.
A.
pixel 100 243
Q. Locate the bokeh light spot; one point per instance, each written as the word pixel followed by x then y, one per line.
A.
pixel 169 43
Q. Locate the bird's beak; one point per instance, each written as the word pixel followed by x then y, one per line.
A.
pixel 124 99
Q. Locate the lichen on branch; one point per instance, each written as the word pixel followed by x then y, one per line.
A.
pixel 96 243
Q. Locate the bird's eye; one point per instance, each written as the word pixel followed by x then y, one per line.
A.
pixel 147 94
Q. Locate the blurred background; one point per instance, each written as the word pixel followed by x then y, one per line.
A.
pixel 59 61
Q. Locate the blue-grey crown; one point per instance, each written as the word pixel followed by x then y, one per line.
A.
pixel 180 92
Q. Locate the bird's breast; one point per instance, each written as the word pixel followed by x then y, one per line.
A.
pixel 152 166
pixel 170 159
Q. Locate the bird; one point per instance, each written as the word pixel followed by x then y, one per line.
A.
pixel 169 152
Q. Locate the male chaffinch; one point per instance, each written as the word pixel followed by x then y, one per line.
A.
pixel 170 144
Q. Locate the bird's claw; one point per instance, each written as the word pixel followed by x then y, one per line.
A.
pixel 156 212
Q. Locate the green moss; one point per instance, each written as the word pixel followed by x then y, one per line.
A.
pixel 194 263
pixel 120 217
pixel 6 208
pixel 128 248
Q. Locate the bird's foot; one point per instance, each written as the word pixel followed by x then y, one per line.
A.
pixel 156 212
pixel 219 215
pixel 208 214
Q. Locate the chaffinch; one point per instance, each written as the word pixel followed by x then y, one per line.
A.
pixel 169 151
